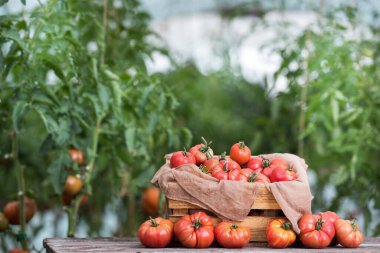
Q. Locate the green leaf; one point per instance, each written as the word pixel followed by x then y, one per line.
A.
pixel 130 136
pixel 15 36
pixel 56 171
pixel 18 113
pixel 335 110
pixel 51 63
pixel 104 96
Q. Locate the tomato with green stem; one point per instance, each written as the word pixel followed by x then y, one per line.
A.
pixel 315 232
pixel 258 163
pixel 226 171
pixel 202 152
pixel 156 233
pixel 180 158
pixel 348 233
pixel 280 233
pixel 240 153
pixel 232 235
pixel 274 163
pixel 249 175
pixel 332 217
pixel 279 174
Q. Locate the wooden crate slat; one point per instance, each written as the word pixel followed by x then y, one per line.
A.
pixel 180 212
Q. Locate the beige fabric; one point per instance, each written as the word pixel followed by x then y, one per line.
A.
pixel 232 200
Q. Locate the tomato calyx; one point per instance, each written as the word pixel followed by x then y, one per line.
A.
pixel 204 169
pixel 287 225
pixel 197 224
pixel 241 145
pixel 234 226
pixel 319 224
pixel 153 223
pixel 205 148
pixel 265 163
pixel 225 167
pixel 252 177
pixel 223 156
pixel 184 152
pixel 354 224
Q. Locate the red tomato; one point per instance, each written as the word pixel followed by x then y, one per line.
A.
pixel 12 209
pixel 280 233
pixel 274 163
pixel 4 223
pixel 180 158
pixel 332 217
pixel 231 164
pixel 315 232
pixel 240 153
pixel 77 156
pixel 348 233
pixel 73 185
pixel 249 175
pixel 279 174
pixel 224 173
pixel 195 230
pixel 231 235
pixel 258 163
pixel 202 152
pixel 210 163
pixel 156 233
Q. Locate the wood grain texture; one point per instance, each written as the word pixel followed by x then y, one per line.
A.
pixel 123 245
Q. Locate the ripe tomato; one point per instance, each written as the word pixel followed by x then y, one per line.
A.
pixel 11 211
pixel 17 250
pixel 150 199
pixel 332 217
pixel 274 163
pixel 231 235
pixel 240 153
pixel 249 175
pixel 258 163
pixel 202 152
pixel 4 223
pixel 210 163
pixel 231 164
pixel 279 174
pixel 73 185
pixel 280 233
pixel 224 173
pixel 156 233
pixel 181 157
pixel 315 232
pixel 67 198
pixel 348 233
pixel 77 156
pixel 195 230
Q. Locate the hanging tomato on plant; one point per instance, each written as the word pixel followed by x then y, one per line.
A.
pixel 73 185
pixel 240 153
pixel 180 158
pixel 232 235
pixel 315 232
pixel 195 230
pixel 348 233
pixel 156 233
pixel 77 156
pixel 280 233
pixel 202 152
pixel 12 209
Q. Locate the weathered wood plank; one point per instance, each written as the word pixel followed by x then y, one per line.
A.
pixel 124 245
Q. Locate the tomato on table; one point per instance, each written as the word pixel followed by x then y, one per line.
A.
pixel 280 233
pixel 156 233
pixel 231 235
pixel 315 232
pixel 348 233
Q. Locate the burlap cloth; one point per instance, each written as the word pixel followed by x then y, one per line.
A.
pixel 232 200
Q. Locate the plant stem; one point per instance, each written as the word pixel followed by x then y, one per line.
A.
pixel 21 190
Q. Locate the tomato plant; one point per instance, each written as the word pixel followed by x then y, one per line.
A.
pixel 12 209
pixel 231 235
pixel 150 200
pixel 348 233
pixel 180 158
pixel 280 233
pixel 195 230
pixel 240 153
pixel 315 232
pixel 202 152
pixel 156 233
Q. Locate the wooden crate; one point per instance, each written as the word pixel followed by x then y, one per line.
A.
pixel 264 210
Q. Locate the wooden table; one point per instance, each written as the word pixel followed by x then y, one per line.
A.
pixel 107 245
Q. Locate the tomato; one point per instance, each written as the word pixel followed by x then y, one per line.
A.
pixel 231 164
pixel 224 173
pixel 73 185
pixel 11 211
pixel 156 233
pixel 330 216
pixel 4 223
pixel 258 163
pixel 231 235
pixel 17 250
pixel 249 175
pixel 195 230
pixel 150 200
pixel 348 233
pixel 315 232
pixel 279 174
pixel 274 163
pixel 280 233
pixel 202 152
pixel 240 153
pixel 77 156
pixel 67 198
pixel 210 163
pixel 180 158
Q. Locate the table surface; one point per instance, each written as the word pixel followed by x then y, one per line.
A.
pixel 107 245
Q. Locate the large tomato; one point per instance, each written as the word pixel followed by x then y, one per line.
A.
pixel 150 199
pixel 240 153
pixel 77 156
pixel 279 174
pixel 249 175
pixel 202 152
pixel 231 235
pixel 258 163
pixel 315 232
pixel 12 209
pixel 231 164
pixel 156 233
pixel 4 223
pixel 348 233
pixel 274 163
pixel 224 172
pixel 180 158
pixel 195 230
pixel 211 163
pixel 73 185
pixel 330 216
pixel 280 233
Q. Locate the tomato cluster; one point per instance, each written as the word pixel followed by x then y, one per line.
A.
pixel 238 166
